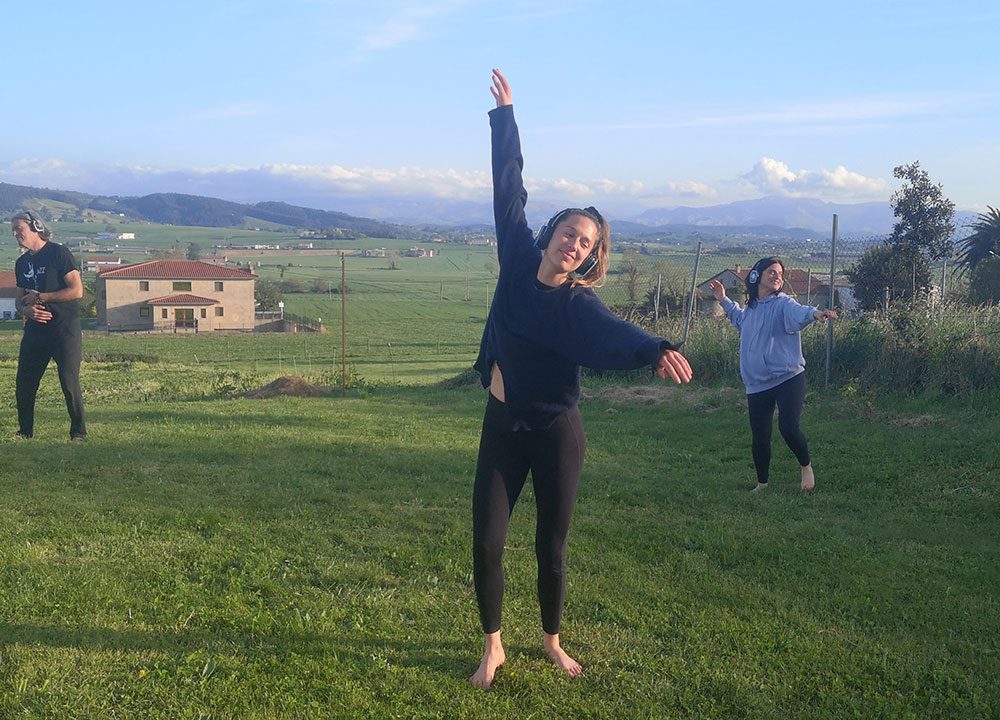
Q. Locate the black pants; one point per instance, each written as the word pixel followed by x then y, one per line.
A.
pixel 789 398
pixel 555 458
pixel 37 348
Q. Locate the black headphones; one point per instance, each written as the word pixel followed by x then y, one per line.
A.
pixel 34 223
pixel 546 231
pixel 758 268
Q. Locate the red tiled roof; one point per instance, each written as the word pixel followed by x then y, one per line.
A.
pixel 8 284
pixel 797 281
pixel 182 299
pixel 177 269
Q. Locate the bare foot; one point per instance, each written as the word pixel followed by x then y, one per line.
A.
pixel 808 479
pixel 759 487
pixel 559 657
pixel 493 657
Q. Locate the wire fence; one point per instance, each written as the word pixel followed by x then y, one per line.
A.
pixel 423 325
pixel 409 327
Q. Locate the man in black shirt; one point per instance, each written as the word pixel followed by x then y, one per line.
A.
pixel 49 287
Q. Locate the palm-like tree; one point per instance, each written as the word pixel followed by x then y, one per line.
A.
pixel 983 242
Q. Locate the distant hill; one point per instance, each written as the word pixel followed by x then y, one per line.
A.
pixel 13 197
pixel 779 217
pixel 627 228
pixel 782 212
pixel 195 210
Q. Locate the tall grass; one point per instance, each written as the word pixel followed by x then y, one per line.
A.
pixel 949 349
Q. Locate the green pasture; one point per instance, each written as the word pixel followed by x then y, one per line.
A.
pixel 203 557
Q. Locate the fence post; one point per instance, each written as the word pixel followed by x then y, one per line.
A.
pixel 829 325
pixel 694 279
pixel 656 302
pixel 343 326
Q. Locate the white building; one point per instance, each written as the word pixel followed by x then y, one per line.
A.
pixel 8 294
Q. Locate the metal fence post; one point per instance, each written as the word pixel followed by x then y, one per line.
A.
pixel 829 325
pixel 656 302
pixel 343 325
pixel 694 280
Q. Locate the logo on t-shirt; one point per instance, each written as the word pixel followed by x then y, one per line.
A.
pixel 32 275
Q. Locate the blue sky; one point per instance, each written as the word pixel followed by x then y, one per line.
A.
pixel 627 105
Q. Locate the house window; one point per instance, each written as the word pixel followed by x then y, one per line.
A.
pixel 144 286
pixel 145 311
pixel 218 312
pixel 218 287
pixel 182 286
pixel 204 313
pixel 164 313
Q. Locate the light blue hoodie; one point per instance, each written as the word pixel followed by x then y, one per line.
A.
pixel 770 344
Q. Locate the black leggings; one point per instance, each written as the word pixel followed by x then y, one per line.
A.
pixel 37 348
pixel 555 458
pixel 789 397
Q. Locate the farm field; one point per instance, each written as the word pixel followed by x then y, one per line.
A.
pixel 309 558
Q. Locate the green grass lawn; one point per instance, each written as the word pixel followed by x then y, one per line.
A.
pixel 309 558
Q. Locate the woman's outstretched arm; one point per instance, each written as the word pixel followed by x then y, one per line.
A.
pixel 509 195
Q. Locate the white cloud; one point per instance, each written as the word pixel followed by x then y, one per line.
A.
pixel 334 187
pixel 402 181
pixel 691 190
pixel 774 177
pixel 410 23
pixel 770 176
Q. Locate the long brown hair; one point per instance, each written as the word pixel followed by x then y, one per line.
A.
pixel 602 247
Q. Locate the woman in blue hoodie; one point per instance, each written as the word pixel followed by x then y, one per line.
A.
pixel 545 322
pixel 771 362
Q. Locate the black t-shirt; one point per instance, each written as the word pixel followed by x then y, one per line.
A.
pixel 45 271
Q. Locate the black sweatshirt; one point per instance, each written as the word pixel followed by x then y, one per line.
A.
pixel 540 335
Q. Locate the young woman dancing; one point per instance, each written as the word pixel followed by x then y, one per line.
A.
pixel 771 362
pixel 545 322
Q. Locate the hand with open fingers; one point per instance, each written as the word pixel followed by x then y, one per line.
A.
pixel 718 290
pixel 825 315
pixel 37 312
pixel 675 366
pixel 501 89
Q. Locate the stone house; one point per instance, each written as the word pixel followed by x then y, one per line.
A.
pixel 178 295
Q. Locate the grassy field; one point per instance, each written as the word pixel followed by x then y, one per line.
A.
pixel 209 557
pixel 309 558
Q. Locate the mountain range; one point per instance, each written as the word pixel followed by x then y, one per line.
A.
pixel 768 216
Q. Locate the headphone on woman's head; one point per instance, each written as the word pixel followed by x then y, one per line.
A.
pixel 546 231
pixel 759 267
pixel 34 223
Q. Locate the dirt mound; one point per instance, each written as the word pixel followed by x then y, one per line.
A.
pixel 287 386
pixel 468 378
pixel 704 399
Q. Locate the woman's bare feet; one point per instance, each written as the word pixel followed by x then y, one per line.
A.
pixel 808 479
pixel 493 658
pixel 758 487
pixel 559 657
